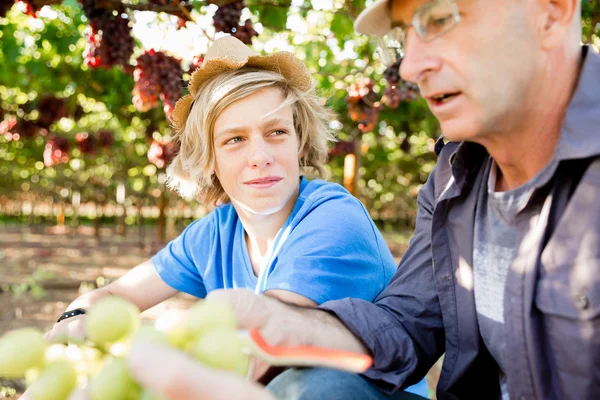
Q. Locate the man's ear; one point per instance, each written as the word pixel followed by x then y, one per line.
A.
pixel 556 21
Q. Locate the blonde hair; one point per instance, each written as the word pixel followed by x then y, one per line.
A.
pixel 191 172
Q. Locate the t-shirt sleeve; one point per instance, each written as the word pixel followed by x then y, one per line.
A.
pixel 334 252
pixel 176 263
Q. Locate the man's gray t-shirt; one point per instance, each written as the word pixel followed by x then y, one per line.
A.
pixel 498 232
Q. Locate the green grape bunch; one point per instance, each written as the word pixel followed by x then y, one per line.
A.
pixel 207 332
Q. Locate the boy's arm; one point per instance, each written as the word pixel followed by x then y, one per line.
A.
pixel 142 286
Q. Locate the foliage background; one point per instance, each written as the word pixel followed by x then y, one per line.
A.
pixel 44 55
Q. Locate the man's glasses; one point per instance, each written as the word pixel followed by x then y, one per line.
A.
pixel 430 21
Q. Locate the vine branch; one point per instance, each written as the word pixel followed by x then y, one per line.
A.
pixel 169 8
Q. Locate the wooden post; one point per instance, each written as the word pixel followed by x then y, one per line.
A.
pixel 357 165
pixel 140 222
pixel 161 225
pixel 60 219
pixel 350 172
pixel 121 228
pixel 352 163
pixel 99 217
pixel 75 203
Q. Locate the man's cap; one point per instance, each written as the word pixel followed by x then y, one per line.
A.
pixel 375 20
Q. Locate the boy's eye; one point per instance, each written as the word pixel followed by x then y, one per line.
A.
pixel 236 139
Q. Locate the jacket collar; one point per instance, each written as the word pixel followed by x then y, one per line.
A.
pixel 580 133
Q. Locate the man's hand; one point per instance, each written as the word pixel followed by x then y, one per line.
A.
pixel 174 375
pixel 285 325
pixel 272 317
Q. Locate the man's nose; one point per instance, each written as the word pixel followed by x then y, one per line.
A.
pixel 419 58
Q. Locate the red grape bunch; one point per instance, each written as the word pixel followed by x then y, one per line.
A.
pixel 341 149
pixel 228 16
pixel 181 18
pixel 171 81
pixel 5 5
pixel 362 104
pixel 92 11
pixel 392 73
pixel 227 19
pixel 150 129
pixel 161 154
pixel 51 109
pixel 105 139
pixel 391 97
pixel 94 53
pixel 109 42
pixel 398 89
pixel 147 82
pixel 8 124
pixel 196 63
pixel 157 76
pixel 56 151
pixel 245 32
pixel 31 6
pixel 77 112
pixel 409 91
pixel 1 113
pixel 405 145
pixel 85 142
pixel 24 129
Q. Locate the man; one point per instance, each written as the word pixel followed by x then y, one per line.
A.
pixel 503 272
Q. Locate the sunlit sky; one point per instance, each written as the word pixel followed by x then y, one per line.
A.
pixel 160 31
pixel 191 41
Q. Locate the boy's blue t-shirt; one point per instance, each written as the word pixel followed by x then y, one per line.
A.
pixel 329 248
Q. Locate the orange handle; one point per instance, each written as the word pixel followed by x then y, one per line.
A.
pixel 343 359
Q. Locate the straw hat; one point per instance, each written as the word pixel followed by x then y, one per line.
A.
pixel 228 53
pixel 375 20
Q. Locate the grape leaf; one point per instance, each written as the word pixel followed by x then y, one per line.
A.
pixel 341 26
pixel 274 17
